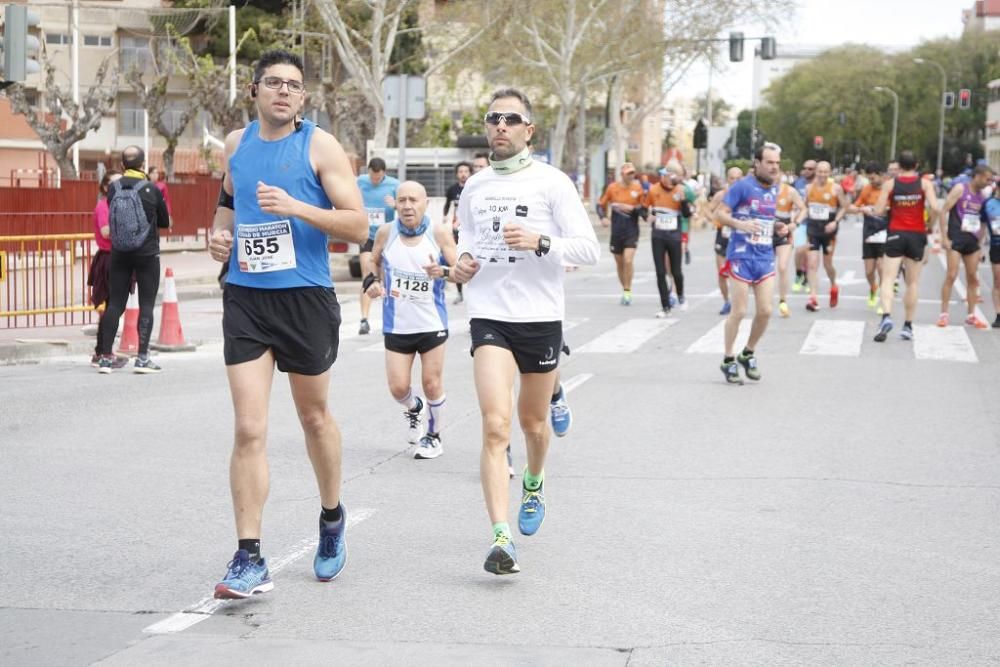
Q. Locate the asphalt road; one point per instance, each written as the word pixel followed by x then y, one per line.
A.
pixel 841 511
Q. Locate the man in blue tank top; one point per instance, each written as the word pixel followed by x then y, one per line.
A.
pixel 287 187
pixel 408 274
pixel 379 194
pixel 749 207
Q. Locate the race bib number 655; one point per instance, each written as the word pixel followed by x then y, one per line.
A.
pixel 265 247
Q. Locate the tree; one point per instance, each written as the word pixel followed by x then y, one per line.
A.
pixel 722 111
pixel 65 121
pixel 744 147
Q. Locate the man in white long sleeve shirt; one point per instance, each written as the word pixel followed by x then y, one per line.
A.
pixel 520 221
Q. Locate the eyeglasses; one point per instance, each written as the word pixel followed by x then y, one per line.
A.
pixel 508 117
pixel 275 83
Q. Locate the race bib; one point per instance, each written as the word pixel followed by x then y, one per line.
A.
pixel 765 237
pixel 413 287
pixel 666 221
pixel 490 214
pixel 995 224
pixel 265 247
pixel 819 211
pixel 877 237
pixel 970 223
pixel 376 216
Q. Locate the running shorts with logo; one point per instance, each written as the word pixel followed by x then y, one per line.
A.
pixel 535 345
pixel 906 244
pixel 300 325
pixel 416 343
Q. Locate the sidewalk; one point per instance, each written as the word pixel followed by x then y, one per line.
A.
pixel 196 276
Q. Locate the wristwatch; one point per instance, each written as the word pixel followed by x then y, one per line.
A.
pixel 544 245
pixel 446 271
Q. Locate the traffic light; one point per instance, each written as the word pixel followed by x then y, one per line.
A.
pixel 949 100
pixel 20 46
pixel 818 141
pixel 964 98
pixel 768 49
pixel 700 135
pixel 735 47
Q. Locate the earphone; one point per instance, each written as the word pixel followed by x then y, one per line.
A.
pixel 253 90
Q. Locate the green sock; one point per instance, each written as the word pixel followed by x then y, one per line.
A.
pixel 502 528
pixel 531 483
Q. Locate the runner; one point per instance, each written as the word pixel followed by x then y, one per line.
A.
pixel 749 208
pixel 991 216
pixel 962 238
pixel 666 203
pixel 906 198
pixel 287 186
pixel 826 206
pixel 790 211
pixel 722 234
pixel 621 202
pixel 379 193
pixel 451 196
pixel 409 275
pixel 801 236
pixel 520 221
pixel 873 231
pixel 479 162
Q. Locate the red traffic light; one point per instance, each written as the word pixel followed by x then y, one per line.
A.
pixel 964 98
pixel 817 141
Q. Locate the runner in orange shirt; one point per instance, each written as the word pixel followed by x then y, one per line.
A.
pixel 873 231
pixel 619 207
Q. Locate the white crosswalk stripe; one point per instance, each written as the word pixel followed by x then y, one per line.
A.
pixel 627 337
pixel 839 338
pixel 943 344
pixel 715 340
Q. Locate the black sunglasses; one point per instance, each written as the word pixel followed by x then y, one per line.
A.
pixel 508 117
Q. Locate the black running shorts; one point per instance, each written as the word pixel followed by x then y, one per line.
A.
pixel 964 244
pixel 415 343
pixel 872 250
pixel 906 244
pixel 535 345
pixel 301 327
pixel 995 254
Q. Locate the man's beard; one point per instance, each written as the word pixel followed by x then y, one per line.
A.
pixel 764 178
pixel 509 152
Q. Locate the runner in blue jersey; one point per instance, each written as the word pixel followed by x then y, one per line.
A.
pixel 379 194
pixel 991 218
pixel 287 187
pixel 749 208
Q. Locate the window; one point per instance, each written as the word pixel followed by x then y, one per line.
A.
pixel 130 116
pixel 135 53
pixel 97 40
pixel 56 38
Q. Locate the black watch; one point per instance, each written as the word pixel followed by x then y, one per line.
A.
pixel 544 245
pixel 446 272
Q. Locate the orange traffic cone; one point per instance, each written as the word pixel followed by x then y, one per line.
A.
pixel 129 344
pixel 171 337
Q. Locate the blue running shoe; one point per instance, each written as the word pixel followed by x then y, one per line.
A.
pixel 672 300
pixel 532 512
pixel 883 330
pixel 331 553
pixel 726 308
pixel 243 578
pixel 560 415
pixel 502 558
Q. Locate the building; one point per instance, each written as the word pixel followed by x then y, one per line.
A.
pixel 983 15
pixel 991 143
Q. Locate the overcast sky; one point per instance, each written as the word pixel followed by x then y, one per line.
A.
pixel 892 23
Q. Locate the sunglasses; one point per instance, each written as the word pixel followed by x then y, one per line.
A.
pixel 508 117
pixel 275 83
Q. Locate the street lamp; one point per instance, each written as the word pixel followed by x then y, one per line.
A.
pixel 895 117
pixel 944 90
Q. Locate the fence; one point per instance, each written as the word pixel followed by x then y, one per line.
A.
pixel 43 280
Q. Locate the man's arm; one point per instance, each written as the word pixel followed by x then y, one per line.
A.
pixel 375 289
pixel 578 244
pixel 446 242
pixel 799 206
pixel 949 203
pixel 843 203
pixel 882 205
pixel 162 214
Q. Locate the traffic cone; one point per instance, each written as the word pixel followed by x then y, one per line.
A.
pixel 129 344
pixel 171 338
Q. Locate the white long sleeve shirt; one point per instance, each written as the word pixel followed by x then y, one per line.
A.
pixel 517 285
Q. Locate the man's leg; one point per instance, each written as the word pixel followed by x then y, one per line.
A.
pixel 628 268
pixel 951 274
pixel 365 300
pixel 533 412
pixel 659 247
pixel 890 267
pixel 870 274
pixel 783 253
pixel 431 376
pixel 494 369
pixel 119 278
pixel 763 294
pixel 619 268
pixel 913 269
pixel 971 262
pixel 723 282
pixel 740 293
pixel 310 394
pixel 147 275
pixel 676 268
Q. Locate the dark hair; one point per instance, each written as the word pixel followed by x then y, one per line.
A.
pixel 106 181
pixel 133 157
pixel 907 160
pixel 461 164
pixel 759 153
pixel 982 169
pixel 483 156
pixel 512 92
pixel 376 164
pixel 277 57
pixel 873 167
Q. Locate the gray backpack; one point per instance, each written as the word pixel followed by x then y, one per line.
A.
pixel 127 217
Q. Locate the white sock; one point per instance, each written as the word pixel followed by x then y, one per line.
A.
pixel 409 401
pixel 437 412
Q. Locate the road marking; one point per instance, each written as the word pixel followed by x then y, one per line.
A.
pixel 461 328
pixel 714 342
pixel 575 381
pixel 847 278
pixel 942 343
pixel 627 337
pixel 839 338
pixel 204 608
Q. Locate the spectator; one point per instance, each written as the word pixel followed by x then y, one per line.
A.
pixel 159 179
pixel 97 279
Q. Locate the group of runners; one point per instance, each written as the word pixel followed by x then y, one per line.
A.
pixel 766 228
pixel 288 186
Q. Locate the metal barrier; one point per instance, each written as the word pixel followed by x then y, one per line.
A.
pixel 43 280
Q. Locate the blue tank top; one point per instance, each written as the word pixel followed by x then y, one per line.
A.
pixel 271 252
pixel 750 200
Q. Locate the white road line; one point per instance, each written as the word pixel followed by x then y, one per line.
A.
pixel 942 344
pixel 627 337
pixel 839 338
pixel 714 341
pixel 204 608
pixel 575 381
pixel 960 286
